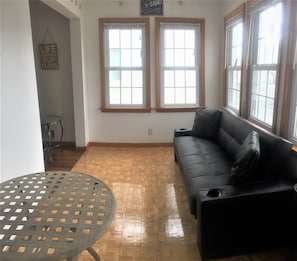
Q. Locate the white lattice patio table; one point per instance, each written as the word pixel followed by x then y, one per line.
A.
pixel 53 216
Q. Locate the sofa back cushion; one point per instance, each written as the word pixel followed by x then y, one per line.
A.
pixel 232 132
pixel 246 161
pixel 206 124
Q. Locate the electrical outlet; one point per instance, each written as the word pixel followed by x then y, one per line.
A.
pixel 150 132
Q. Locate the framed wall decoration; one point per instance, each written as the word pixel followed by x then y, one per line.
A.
pixel 49 56
pixel 48 50
pixel 151 7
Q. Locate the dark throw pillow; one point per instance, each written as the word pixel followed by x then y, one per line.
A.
pixel 206 123
pixel 246 159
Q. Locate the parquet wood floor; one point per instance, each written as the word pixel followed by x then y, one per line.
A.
pixel 62 160
pixel 152 221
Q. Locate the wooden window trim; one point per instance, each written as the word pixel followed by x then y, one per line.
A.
pixel 240 13
pixel 201 22
pixel 286 102
pixel 147 103
pixel 253 5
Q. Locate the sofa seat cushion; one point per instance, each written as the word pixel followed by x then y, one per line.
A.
pixel 203 165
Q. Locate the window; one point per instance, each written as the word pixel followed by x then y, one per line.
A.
pixel 180 63
pixel 293 111
pixel 234 64
pixel 264 57
pixel 234 53
pixel 125 59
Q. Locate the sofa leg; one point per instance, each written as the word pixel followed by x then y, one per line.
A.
pixel 175 158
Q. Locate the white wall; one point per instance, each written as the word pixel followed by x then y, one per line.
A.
pixel 55 87
pixel 133 127
pixel 21 144
pixel 68 8
pixel 78 83
pixel 230 5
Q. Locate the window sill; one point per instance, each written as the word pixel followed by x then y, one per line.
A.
pixel 133 110
pixel 180 109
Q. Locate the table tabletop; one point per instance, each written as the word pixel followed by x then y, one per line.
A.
pixel 51 119
pixel 53 215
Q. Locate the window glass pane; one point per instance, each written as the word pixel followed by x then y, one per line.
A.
pixel 126 58
pixel 236 45
pixel 179 52
pixel 137 79
pixel 269 111
pixel 295 124
pixel 234 62
pixel 114 38
pixel 137 97
pixel 136 39
pixel 125 38
pixel 126 79
pixel 125 64
pixel 261 109
pixel 293 109
pixel 180 95
pixel 269 34
pixel 136 58
pixel 169 96
pixel 271 84
pixel 191 78
pixel 114 96
pixel 114 57
pixel 263 83
pixel 190 57
pixel 168 78
pixel 126 96
pixel 179 57
pixel 179 39
pixel 190 39
pixel 169 57
pixel 191 95
pixel 180 78
pixel 168 38
pixel 114 79
pixel 264 53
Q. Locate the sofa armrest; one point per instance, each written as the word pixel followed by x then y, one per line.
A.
pixel 182 132
pixel 238 220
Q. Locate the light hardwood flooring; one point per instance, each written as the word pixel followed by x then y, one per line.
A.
pixel 152 220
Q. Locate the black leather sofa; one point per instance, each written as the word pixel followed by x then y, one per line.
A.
pixel 240 183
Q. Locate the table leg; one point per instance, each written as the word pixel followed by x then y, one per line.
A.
pixel 61 137
pixel 94 254
pixel 74 258
pixel 46 136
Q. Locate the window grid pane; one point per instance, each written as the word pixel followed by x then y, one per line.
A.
pixel 295 124
pixel 125 68
pixel 234 61
pixel 265 48
pixel 179 65
pixel 263 91
pixel 180 86
pixel 293 112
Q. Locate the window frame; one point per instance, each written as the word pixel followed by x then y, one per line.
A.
pixel 105 107
pixel 201 70
pixel 255 9
pixel 234 18
pixel 290 95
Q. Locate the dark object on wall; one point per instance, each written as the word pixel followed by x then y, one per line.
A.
pixel 151 7
pixel 48 53
pixel 49 56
